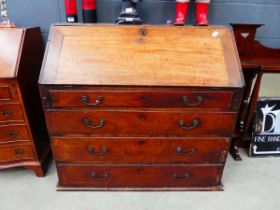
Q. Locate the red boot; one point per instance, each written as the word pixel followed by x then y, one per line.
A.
pixel 202 13
pixel 181 12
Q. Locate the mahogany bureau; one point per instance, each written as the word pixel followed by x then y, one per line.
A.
pixel 140 107
pixel 23 134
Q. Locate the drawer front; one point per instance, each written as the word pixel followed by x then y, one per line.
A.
pixel 8 92
pixel 16 152
pixel 140 98
pixel 11 112
pixel 141 123
pixel 140 150
pixel 139 176
pixel 11 133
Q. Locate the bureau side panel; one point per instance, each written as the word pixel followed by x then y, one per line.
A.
pixel 28 74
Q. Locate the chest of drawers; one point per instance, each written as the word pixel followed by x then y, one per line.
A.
pixel 140 107
pixel 23 134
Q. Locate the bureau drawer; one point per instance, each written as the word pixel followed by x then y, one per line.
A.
pixel 11 112
pixel 8 92
pixel 140 150
pixel 11 133
pixel 16 152
pixel 140 98
pixel 139 176
pixel 140 123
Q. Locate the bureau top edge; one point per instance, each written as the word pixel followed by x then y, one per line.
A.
pixel 131 87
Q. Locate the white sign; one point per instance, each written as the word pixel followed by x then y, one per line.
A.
pixel 274 116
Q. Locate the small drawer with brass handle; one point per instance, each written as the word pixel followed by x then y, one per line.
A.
pixel 11 112
pixel 16 152
pixel 129 176
pixel 140 150
pixel 91 97
pixel 121 122
pixel 11 133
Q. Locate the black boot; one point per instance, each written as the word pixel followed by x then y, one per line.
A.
pixel 129 13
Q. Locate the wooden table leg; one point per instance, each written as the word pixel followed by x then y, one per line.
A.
pixel 253 104
pixel 249 75
pixel 234 150
pixel 248 120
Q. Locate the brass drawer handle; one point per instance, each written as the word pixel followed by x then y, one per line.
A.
pixel 7 113
pixel 186 176
pixel 92 151
pixel 195 124
pixel 85 100
pixel 13 133
pixel 96 176
pixel 199 100
pixel 88 123
pixel 181 151
pixel 19 151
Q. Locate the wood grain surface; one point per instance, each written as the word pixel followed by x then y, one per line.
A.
pixel 133 97
pixel 142 56
pixel 10 113
pixel 9 52
pixel 13 133
pixel 140 150
pixel 139 123
pixel 16 152
pixel 139 176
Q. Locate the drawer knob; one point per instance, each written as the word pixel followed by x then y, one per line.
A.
pixel 195 124
pixel 88 123
pixel 85 100
pixel 199 100
pixel 181 151
pixel 13 133
pixel 185 176
pixel 19 151
pixel 7 113
pixel 96 176
pixel 92 151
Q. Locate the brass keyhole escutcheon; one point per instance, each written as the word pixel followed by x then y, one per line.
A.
pixel 142 98
pixel 143 32
pixel 140 170
pixel 141 142
pixel 142 117
pixel 19 151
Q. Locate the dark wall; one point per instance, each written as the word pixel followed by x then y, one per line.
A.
pixel 222 12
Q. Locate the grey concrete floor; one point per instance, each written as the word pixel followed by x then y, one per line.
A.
pixel 252 184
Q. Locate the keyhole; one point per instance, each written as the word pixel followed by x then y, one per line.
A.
pixel 143 32
pixel 141 142
pixel 142 117
pixel 140 170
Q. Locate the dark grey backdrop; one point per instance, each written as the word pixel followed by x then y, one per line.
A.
pixel 45 12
